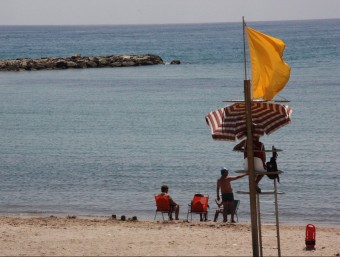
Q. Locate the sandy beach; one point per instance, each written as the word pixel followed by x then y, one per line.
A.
pixel 82 236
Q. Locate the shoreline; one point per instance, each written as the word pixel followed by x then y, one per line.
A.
pixel 159 218
pixel 60 236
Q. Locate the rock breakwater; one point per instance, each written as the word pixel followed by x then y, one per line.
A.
pixel 78 62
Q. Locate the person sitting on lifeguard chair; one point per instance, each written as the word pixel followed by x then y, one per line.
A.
pixel 259 157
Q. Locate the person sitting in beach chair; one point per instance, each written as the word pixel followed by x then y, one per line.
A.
pixel 199 205
pixel 174 207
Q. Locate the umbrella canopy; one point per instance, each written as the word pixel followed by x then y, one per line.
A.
pixel 229 123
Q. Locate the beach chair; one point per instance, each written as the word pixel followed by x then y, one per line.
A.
pixel 199 205
pixel 163 205
pixel 220 209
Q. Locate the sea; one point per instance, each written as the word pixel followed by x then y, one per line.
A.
pixel 102 141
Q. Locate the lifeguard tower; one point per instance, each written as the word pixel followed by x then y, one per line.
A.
pixel 270 74
pixel 263 194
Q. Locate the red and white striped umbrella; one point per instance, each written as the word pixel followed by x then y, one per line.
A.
pixel 229 123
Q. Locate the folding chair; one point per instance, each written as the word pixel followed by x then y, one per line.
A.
pixel 163 205
pixel 220 209
pixel 199 205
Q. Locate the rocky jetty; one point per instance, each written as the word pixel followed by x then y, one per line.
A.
pixel 77 62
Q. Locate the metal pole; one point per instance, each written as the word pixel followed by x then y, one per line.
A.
pixel 277 221
pixel 259 222
pixel 250 155
pixel 244 49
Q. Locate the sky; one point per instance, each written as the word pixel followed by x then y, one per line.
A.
pixel 116 12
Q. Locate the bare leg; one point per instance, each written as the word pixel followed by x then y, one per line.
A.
pixel 225 216
pixel 231 208
pixel 216 215
pixel 176 211
pixel 257 180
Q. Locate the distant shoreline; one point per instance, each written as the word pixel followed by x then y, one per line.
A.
pixel 78 62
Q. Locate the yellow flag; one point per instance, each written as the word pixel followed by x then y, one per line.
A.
pixel 270 73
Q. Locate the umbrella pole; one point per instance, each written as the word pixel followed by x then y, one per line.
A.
pixel 250 154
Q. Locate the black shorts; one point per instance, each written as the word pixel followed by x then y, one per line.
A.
pixel 227 197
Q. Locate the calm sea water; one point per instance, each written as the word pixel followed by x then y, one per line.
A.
pixel 103 141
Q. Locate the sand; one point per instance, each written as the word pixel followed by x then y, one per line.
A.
pixel 74 236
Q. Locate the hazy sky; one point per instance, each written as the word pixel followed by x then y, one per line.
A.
pixel 60 12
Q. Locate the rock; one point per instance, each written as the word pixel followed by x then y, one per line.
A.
pixel 91 64
pixel 94 59
pixel 71 65
pixel 102 62
pixel 175 62
pixel 39 65
pixel 128 64
pixel 76 56
pixel 24 65
pixel 116 64
pixel 81 64
pixel 13 65
pixel 50 65
pixel 61 64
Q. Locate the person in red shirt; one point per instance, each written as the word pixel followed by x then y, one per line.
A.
pixel 259 157
pixel 174 206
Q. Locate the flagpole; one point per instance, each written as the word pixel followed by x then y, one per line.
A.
pixel 250 155
pixel 244 49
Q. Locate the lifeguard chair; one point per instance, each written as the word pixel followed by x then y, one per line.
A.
pixel 274 192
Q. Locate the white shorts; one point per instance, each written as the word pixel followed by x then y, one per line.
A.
pixel 258 164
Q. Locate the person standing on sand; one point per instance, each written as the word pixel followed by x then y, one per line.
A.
pixel 223 184
pixel 173 205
